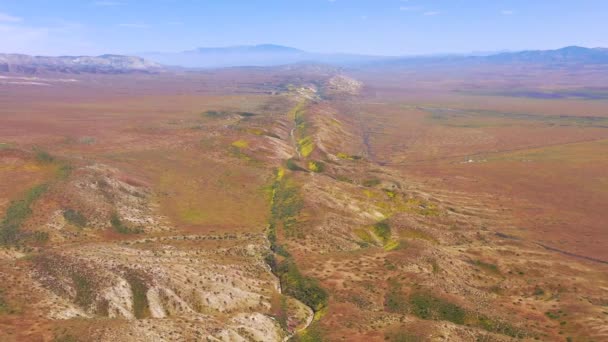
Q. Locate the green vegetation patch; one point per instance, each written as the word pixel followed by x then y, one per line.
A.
pixel 306 146
pixel 215 114
pixel 139 288
pixel 293 166
pixel 427 306
pixel 305 289
pixel 43 156
pixel 286 204
pixel 75 218
pixel 17 213
pixel 383 231
pixel 364 235
pixel 313 333
pixel 345 156
pixel 119 227
pixel 499 327
pixel 316 166
pixel 395 300
pixel 85 294
pixel 4 306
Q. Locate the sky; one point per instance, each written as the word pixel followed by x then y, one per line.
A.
pixel 375 27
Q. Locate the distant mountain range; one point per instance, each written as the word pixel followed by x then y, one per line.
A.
pixel 270 55
pixel 254 55
pixel 105 64
pixel 274 55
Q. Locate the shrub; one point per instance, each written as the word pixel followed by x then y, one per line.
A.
pixel 44 157
pixel 121 228
pixel 291 165
pixel 383 230
pixel 316 166
pixel 75 218
pixel 214 114
pixel 40 237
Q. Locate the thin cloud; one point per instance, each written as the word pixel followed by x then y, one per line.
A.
pixel 134 25
pixel 5 18
pixel 410 8
pixel 431 13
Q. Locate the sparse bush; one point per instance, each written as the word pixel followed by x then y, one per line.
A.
pixel 40 237
pixel 121 228
pixel 74 217
pixel 371 182
pixel 291 165
pixel 316 166
pixel 214 114
pixel 383 230
pixel 427 306
pixel 64 171
pixel 44 156
pixel 394 300
pixel 84 290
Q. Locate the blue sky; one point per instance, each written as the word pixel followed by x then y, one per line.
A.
pixel 382 27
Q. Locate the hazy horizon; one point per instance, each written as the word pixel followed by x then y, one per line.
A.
pixel 388 28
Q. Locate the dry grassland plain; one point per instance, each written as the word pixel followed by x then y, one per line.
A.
pixel 312 205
